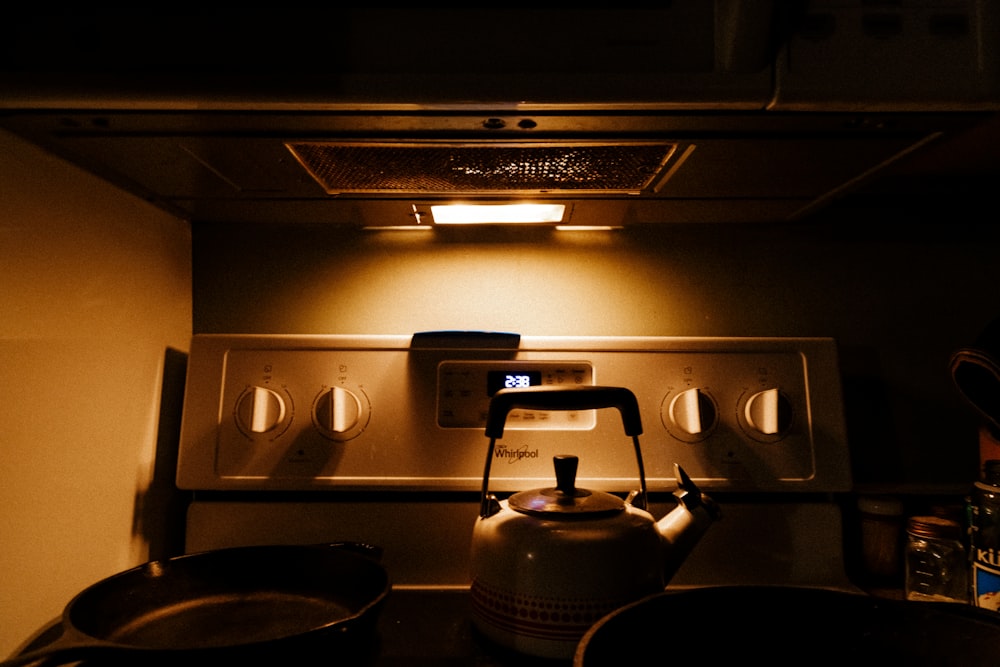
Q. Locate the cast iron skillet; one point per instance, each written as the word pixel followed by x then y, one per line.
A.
pixel 242 602
pixel 785 625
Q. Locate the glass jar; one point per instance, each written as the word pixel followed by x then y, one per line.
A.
pixel 937 568
pixel 881 539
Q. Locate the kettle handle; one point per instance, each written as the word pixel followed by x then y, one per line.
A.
pixel 548 397
pixel 584 397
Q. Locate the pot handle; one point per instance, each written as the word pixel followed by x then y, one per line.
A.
pixel 584 397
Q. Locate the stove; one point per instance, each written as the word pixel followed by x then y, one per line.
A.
pixel 301 439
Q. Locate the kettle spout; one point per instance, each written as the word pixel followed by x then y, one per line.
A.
pixel 682 527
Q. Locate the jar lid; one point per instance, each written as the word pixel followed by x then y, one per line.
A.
pixel 881 505
pixel 934 526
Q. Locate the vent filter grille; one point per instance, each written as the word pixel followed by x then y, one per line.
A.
pixel 482 168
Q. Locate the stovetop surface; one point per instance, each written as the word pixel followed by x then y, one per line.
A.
pixel 433 627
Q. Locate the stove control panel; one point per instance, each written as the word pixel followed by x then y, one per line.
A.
pixel 464 389
pixel 373 413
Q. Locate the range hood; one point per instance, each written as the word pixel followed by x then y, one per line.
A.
pixel 691 112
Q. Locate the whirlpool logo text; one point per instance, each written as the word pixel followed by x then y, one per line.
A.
pixel 515 455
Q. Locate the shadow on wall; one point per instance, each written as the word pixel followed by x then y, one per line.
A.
pixel 160 508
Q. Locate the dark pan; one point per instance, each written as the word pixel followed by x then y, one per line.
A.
pixel 243 602
pixel 787 625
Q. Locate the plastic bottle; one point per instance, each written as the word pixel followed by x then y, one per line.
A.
pixel 985 537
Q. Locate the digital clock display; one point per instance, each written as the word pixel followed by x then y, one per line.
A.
pixel 497 380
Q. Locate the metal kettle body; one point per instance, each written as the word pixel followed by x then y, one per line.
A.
pixel 547 564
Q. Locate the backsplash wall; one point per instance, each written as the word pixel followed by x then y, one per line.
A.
pixel 897 305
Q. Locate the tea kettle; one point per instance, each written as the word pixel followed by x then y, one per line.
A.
pixel 546 564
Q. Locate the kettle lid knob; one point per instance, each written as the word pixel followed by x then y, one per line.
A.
pixel 565 498
pixel 566 466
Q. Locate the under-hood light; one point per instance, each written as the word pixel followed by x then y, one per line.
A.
pixel 492 214
pixel 587 228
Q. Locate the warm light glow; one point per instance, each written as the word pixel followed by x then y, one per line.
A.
pixel 472 214
pixel 398 228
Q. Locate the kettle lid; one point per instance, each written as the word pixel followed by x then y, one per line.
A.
pixel 565 498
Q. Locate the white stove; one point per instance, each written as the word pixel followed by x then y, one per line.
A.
pixel 380 439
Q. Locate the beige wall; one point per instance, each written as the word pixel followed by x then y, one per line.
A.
pixel 95 287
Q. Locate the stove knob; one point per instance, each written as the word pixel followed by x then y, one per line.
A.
pixel 259 410
pixel 340 413
pixel 768 413
pixel 690 415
